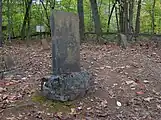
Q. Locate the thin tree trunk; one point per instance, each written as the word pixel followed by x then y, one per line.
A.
pixel 109 20
pixel 81 18
pixel 126 18
pixel 131 13
pixel 137 25
pixel 96 17
pixel 121 18
pixel 12 30
pixel 90 26
pixel 117 20
pixel 46 13
pixel 28 27
pixel 26 18
pixel 153 17
pixel 9 20
pixel 1 38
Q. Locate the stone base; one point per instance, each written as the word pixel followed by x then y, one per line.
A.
pixel 66 87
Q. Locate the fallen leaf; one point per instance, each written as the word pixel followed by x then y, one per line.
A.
pixel 73 111
pixel 126 73
pixel 89 108
pixel 133 85
pixel 9 83
pixel 148 99
pixel 1 110
pixel 108 67
pixel 158 106
pixel 140 93
pixel 2 90
pixel 118 103
pixel 11 118
pixel 12 97
pixel 4 97
pixel 127 66
pixel 141 85
pixel 48 114
pixel 129 82
pixel 80 108
pixel 132 88
pixel 24 78
pixel 102 68
pixel 122 67
pixel 145 81
pixel 104 103
pixel 59 115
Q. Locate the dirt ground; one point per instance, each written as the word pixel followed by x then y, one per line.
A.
pixel 127 84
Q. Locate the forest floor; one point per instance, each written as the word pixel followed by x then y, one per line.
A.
pixel 127 84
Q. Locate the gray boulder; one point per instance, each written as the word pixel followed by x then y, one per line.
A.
pixel 66 87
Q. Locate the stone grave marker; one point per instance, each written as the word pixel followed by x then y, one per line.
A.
pixel 66 42
pixel 45 44
pixel 123 40
pixel 68 82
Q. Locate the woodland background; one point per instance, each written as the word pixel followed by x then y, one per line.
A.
pixel 101 17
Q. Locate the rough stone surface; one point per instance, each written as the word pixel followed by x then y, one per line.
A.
pixel 157 40
pixel 123 40
pixel 66 42
pixel 67 87
pixel 6 62
pixel 68 81
pixel 45 44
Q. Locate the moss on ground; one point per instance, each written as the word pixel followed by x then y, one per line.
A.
pixel 55 106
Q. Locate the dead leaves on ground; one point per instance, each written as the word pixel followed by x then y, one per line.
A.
pixel 127 77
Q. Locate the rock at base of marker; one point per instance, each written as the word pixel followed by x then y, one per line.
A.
pixel 66 87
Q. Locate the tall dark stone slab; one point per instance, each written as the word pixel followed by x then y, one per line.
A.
pixel 68 82
pixel 66 42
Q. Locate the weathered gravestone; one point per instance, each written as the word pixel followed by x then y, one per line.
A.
pixel 66 42
pixel 45 44
pixel 123 41
pixel 68 82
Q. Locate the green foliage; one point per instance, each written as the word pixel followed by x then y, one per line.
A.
pixel 38 15
pixel 146 19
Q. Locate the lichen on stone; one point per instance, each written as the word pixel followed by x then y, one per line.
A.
pixel 66 87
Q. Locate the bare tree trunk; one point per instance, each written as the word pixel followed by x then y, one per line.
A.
pixel 81 18
pixel 117 20
pixel 26 18
pixel 28 27
pixel 121 18
pixel 137 25
pixel 96 17
pixel 1 38
pixel 109 20
pixel 11 27
pixel 9 20
pixel 126 18
pixel 124 30
pixel 90 26
pixel 46 13
pixel 153 17
pixel 131 13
